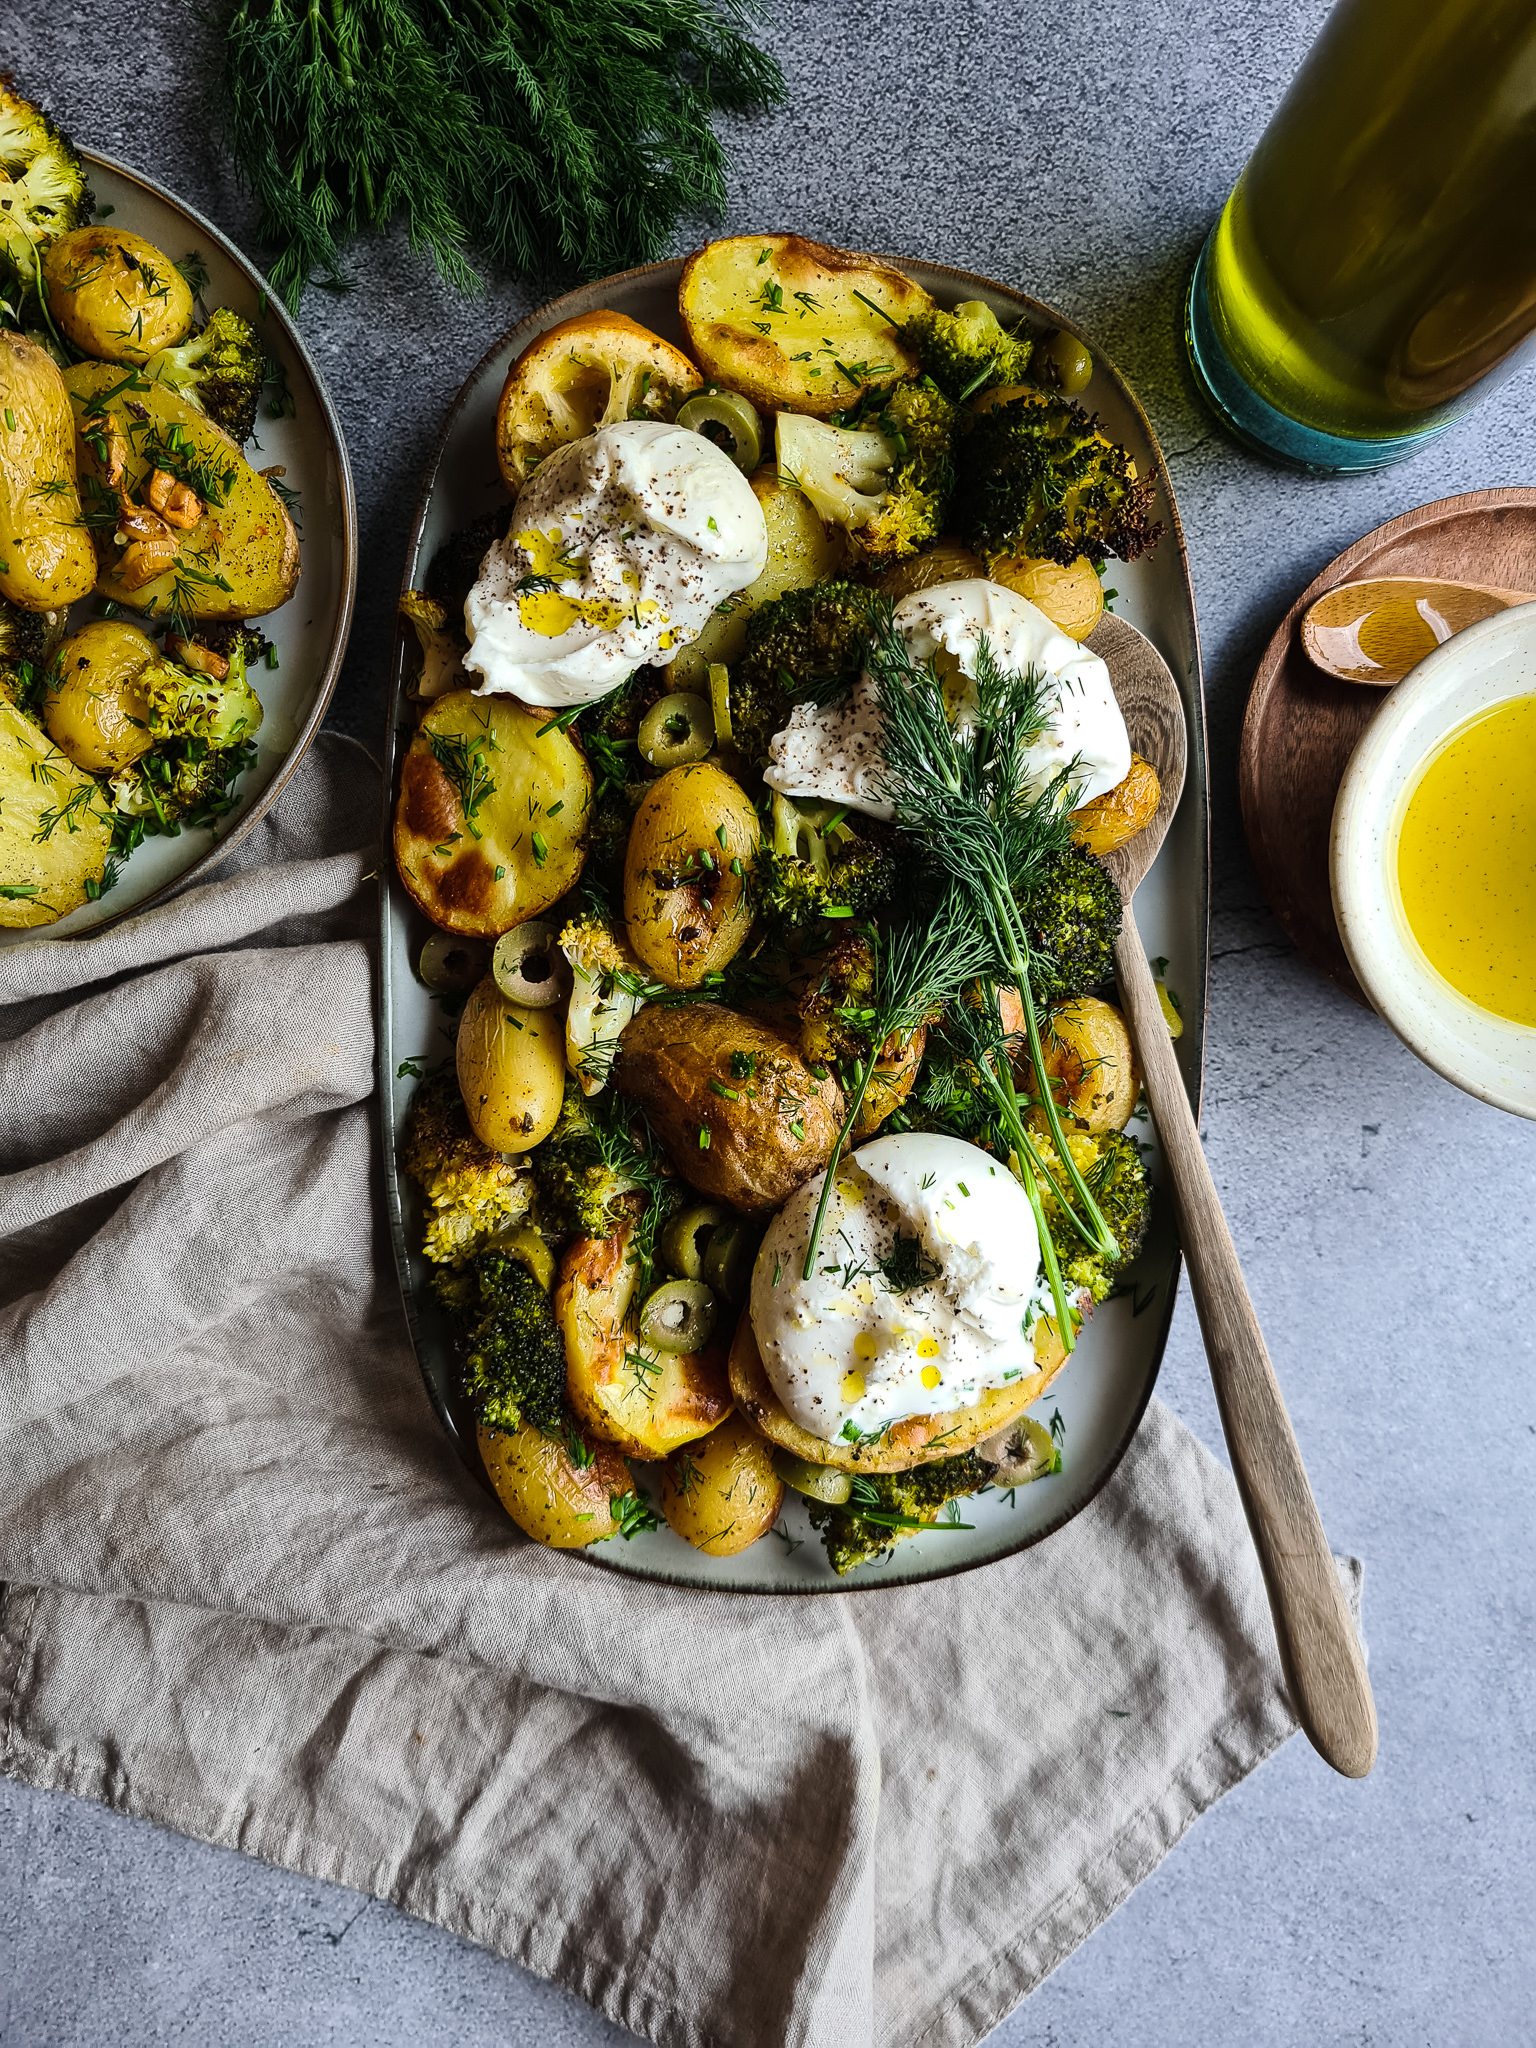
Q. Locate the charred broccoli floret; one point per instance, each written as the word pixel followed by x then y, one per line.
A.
pixel 455 568
pixel 886 1506
pixel 47 194
pixel 968 350
pixel 221 368
pixel 579 1187
pixel 1112 1167
pixel 813 865
pixel 27 638
pixel 1072 918
pixel 837 1008
pixel 471 1191
pixel 887 478
pixel 222 711
pixel 807 643
pixel 514 1354
pixel 1037 477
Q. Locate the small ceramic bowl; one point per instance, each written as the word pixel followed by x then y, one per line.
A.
pixel 1486 665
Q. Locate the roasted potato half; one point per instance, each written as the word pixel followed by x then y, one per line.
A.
pixel 1120 813
pixel 780 320
pixel 743 1118
pixel 511 1068
pixel 644 1400
pixel 722 1493
pixel 55 826
pixel 46 557
pixel 490 828
pixel 691 847
pixel 115 295
pixel 1090 1063
pixel 904 1444
pixel 582 374
pixel 551 1498
pixel 891 1083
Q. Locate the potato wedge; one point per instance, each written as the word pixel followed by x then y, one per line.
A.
pixel 46 557
pixel 55 826
pixel 904 1444
pixel 1120 813
pixel 644 1400
pixel 585 373
pixel 550 1497
pixel 779 319
pixel 490 828
pixel 1091 1065
pixel 743 1118
pixel 722 1493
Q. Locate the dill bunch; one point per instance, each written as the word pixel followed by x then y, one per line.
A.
pixel 563 137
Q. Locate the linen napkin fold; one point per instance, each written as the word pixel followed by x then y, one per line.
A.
pixel 250 1593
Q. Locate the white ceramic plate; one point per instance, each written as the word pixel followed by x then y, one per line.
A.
pixel 310 631
pixel 1100 1396
pixel 1488 664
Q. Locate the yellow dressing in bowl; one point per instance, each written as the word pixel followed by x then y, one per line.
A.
pixel 1466 860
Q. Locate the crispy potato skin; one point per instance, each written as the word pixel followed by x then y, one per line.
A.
pixel 686 909
pixel 915 1442
pixel 1072 599
pixel 557 1503
pixel 1120 813
pixel 1091 1064
pixel 726 295
pixel 115 295
pixel 755 1159
pixel 646 1413
pixel 722 1494
pixel 947 561
pixel 97 714
pixel 46 557
pixel 580 375
pixel 511 1067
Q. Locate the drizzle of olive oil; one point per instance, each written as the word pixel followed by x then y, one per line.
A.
pixel 1466 860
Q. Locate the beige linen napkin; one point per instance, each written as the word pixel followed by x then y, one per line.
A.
pixel 249 1591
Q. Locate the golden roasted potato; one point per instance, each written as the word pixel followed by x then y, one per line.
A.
pixel 94 709
pixel 552 1499
pixel 491 824
pixel 801 551
pixel 511 1066
pixel 904 1444
pixel 947 561
pixel 55 826
pixel 46 557
pixel 1072 599
pixel 631 1394
pixel 805 295
pixel 722 1493
pixel 686 908
pixel 1090 1063
pixel 891 1082
pixel 585 373
pixel 743 1118
pixel 225 547
pixel 115 295
pixel 1120 813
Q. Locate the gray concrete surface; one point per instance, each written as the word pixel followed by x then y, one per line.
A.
pixel 1386 1221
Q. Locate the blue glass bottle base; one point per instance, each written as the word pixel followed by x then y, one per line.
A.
pixel 1257 424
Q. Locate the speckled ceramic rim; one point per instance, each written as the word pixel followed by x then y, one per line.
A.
pixel 1487 665
pixel 590 298
pixel 341 626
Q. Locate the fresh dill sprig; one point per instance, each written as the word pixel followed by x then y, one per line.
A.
pixel 463 762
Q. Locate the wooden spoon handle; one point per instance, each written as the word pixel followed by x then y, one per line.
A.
pixel 1319 1649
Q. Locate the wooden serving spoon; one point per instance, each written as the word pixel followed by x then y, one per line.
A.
pixel 1375 630
pixel 1319 1649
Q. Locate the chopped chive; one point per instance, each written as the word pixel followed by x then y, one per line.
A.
pixel 799 1129
pixel 730 1094
pixel 540 849
pixel 555 807
pixel 720 835
pixel 10 419
pixel 703 1137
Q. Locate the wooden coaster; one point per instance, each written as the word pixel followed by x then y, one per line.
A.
pixel 1301 726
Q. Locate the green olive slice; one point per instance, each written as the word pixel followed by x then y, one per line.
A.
pixel 678 1316
pixel 720 699
pixel 449 964
pixel 730 421
pixel 819 1482
pixel 1071 362
pixel 676 730
pixel 682 1241
pixel 728 1259
pixel 528 967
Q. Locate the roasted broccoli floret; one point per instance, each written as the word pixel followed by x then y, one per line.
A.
pixel 949 1097
pixel 807 643
pixel 578 1191
pixel 1037 477
pixel 1072 917
pixel 836 1008
pixel 1112 1167
pixel 455 568
pixel 471 1191
pixel 221 368
pixel 514 1354
pixel 813 865
pixel 889 1505
pixel 968 350
pixel 47 194
pixel 222 711
pixel 887 479
pixel 27 638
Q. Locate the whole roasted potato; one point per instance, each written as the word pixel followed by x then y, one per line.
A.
pixel 94 709
pixel 1120 813
pixel 46 557
pixel 115 295
pixel 491 826
pixel 549 1496
pixel 691 846
pixel 741 1115
pixel 645 1400
pixel 511 1065
pixel 55 826
pixel 1072 599
pixel 722 1493
pixel 1091 1065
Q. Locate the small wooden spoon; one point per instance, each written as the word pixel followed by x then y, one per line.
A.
pixel 1319 1649
pixel 1375 630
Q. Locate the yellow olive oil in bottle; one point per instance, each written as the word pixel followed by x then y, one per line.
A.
pixel 1374 270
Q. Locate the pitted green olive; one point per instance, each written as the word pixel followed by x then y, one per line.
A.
pixel 678 1316
pixel 816 1482
pixel 730 421
pixel 449 964
pixel 728 1260
pixel 686 1236
pixel 676 730
pixel 529 967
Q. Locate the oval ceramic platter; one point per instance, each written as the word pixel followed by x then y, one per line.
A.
pixel 1097 1402
pixel 309 632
